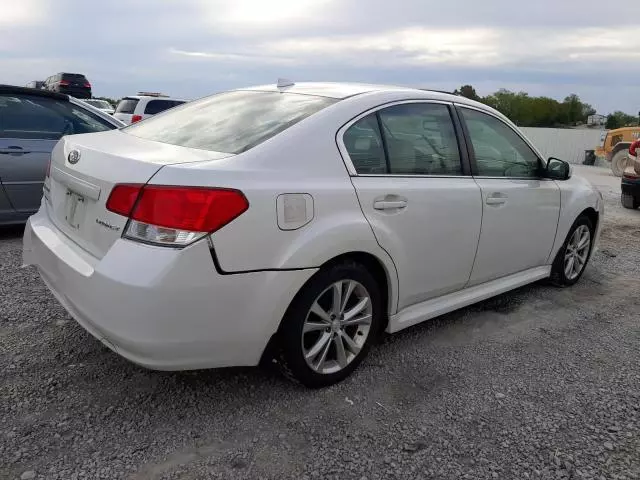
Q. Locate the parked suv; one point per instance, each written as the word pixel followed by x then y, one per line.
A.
pixel 74 84
pixel 134 108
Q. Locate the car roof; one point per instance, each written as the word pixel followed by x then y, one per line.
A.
pixel 152 97
pixel 12 89
pixel 344 90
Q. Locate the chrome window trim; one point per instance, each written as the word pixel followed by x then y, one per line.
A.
pixel 347 159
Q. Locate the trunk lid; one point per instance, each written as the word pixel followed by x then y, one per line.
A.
pixel 77 189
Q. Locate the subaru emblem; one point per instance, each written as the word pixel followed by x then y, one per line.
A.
pixel 74 157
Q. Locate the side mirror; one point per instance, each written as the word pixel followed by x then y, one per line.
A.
pixel 558 169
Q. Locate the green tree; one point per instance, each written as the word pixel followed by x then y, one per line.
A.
pixel 620 119
pixel 467 91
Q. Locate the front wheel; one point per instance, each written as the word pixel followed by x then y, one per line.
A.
pixel 573 256
pixel 619 163
pixel 330 325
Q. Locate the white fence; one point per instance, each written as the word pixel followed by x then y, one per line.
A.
pixel 564 143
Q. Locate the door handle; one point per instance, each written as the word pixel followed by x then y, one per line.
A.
pixel 389 204
pixel 13 151
pixel 496 199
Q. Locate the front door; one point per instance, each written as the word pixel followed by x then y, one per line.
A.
pixel 520 210
pixel 424 209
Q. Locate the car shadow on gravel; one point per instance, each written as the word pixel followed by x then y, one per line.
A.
pixel 10 232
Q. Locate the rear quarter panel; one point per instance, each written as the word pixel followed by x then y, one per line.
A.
pixel 303 159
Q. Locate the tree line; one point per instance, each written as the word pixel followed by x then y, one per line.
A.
pixel 528 111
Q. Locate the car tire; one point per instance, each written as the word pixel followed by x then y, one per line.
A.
pixel 619 162
pixel 325 333
pixel 629 201
pixel 563 272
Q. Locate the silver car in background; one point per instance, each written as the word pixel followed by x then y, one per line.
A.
pixel 31 123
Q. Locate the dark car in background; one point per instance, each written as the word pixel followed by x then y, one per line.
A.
pixel 74 84
pixel 35 84
pixel 31 123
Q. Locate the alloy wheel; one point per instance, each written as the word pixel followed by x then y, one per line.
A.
pixel 575 257
pixel 337 326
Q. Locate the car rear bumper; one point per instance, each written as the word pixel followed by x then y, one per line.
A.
pixel 162 308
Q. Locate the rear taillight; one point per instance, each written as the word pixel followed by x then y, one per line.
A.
pixel 136 118
pixel 48 174
pixel 175 216
pixel 631 176
pixel 87 84
pixel 64 83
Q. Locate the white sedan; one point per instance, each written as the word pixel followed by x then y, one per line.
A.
pixel 299 222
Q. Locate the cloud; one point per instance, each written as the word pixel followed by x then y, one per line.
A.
pixel 23 13
pixel 193 47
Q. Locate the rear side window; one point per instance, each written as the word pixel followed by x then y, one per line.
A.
pixel 127 105
pixel 419 138
pixel 33 117
pixel 231 122
pixel 364 144
pixel 156 106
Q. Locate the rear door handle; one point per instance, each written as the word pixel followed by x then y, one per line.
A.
pixel 389 204
pixel 496 199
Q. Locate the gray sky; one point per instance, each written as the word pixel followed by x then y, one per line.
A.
pixel 191 48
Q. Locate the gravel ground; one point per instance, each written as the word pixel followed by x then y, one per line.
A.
pixel 538 383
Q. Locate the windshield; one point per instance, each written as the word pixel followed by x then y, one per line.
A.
pixel 231 122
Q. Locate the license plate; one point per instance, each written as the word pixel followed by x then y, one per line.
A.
pixel 74 209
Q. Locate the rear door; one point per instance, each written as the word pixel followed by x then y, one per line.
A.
pixel 414 186
pixel 520 208
pixel 30 126
pixel 125 109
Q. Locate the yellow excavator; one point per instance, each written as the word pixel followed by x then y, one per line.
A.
pixel 615 148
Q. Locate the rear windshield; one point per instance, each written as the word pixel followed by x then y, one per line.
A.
pixel 230 122
pixel 73 76
pixel 157 106
pixel 127 105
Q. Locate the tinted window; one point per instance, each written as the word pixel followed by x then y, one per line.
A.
pixel 25 116
pixel 231 122
pixel 364 144
pixel 127 105
pixel 499 151
pixel 73 76
pixel 421 139
pixel 157 106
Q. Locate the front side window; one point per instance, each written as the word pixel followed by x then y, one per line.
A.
pixel 499 151
pixel 34 117
pixel 231 122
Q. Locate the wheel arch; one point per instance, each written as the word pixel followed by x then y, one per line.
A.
pixel 620 146
pixel 387 280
